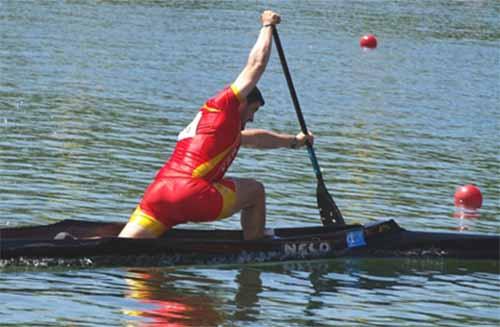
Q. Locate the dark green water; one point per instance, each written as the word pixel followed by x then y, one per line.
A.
pixel 93 94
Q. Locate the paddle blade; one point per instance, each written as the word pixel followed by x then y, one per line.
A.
pixel 328 211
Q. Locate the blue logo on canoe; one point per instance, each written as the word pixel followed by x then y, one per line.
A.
pixel 355 239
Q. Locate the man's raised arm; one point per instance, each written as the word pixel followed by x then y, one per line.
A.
pixel 259 55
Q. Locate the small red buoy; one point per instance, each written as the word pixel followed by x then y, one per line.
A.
pixel 368 41
pixel 468 197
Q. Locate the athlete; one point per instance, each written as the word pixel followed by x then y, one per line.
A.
pixel 191 185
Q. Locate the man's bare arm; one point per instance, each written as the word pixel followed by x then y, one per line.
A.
pixel 259 55
pixel 263 139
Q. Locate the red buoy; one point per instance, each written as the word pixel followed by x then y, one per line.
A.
pixel 468 197
pixel 368 41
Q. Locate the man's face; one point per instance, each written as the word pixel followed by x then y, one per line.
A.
pixel 247 112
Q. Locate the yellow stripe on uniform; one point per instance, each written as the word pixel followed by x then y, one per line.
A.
pixel 206 167
pixel 236 92
pixel 147 222
pixel 211 109
pixel 228 200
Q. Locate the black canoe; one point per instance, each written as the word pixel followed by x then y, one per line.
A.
pixel 96 243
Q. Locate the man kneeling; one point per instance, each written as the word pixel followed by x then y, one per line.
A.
pixel 191 185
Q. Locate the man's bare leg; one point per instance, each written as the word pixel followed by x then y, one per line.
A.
pixel 251 201
pixel 134 230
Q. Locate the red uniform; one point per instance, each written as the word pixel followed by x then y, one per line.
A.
pixel 190 186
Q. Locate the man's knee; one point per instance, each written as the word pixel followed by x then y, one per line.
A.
pixel 256 192
pixel 259 190
pixel 249 193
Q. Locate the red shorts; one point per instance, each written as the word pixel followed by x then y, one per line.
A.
pixel 171 201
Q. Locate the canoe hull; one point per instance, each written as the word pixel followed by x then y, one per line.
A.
pixel 181 246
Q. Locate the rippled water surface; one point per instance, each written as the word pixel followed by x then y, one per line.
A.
pixel 93 94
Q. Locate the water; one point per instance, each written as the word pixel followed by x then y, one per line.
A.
pixel 320 293
pixel 93 94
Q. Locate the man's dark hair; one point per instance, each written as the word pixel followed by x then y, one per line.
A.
pixel 255 95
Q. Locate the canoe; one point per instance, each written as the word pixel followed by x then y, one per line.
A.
pixel 95 243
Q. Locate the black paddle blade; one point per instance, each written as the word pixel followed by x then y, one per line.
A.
pixel 328 211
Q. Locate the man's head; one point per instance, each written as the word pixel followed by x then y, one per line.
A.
pixel 253 101
pixel 255 96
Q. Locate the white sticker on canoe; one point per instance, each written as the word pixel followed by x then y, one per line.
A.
pixel 355 238
pixel 306 248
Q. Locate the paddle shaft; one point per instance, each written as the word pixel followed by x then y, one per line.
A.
pixel 333 211
pixel 295 101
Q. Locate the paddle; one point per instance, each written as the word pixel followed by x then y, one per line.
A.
pixel 328 210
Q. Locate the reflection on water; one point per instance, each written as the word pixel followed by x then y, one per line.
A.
pixel 247 296
pixel 466 218
pixel 347 292
pixel 296 293
pixel 164 304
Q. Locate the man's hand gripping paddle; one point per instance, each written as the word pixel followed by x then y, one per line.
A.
pixel 328 210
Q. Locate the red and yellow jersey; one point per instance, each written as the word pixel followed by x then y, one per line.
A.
pixel 208 145
pixel 190 186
